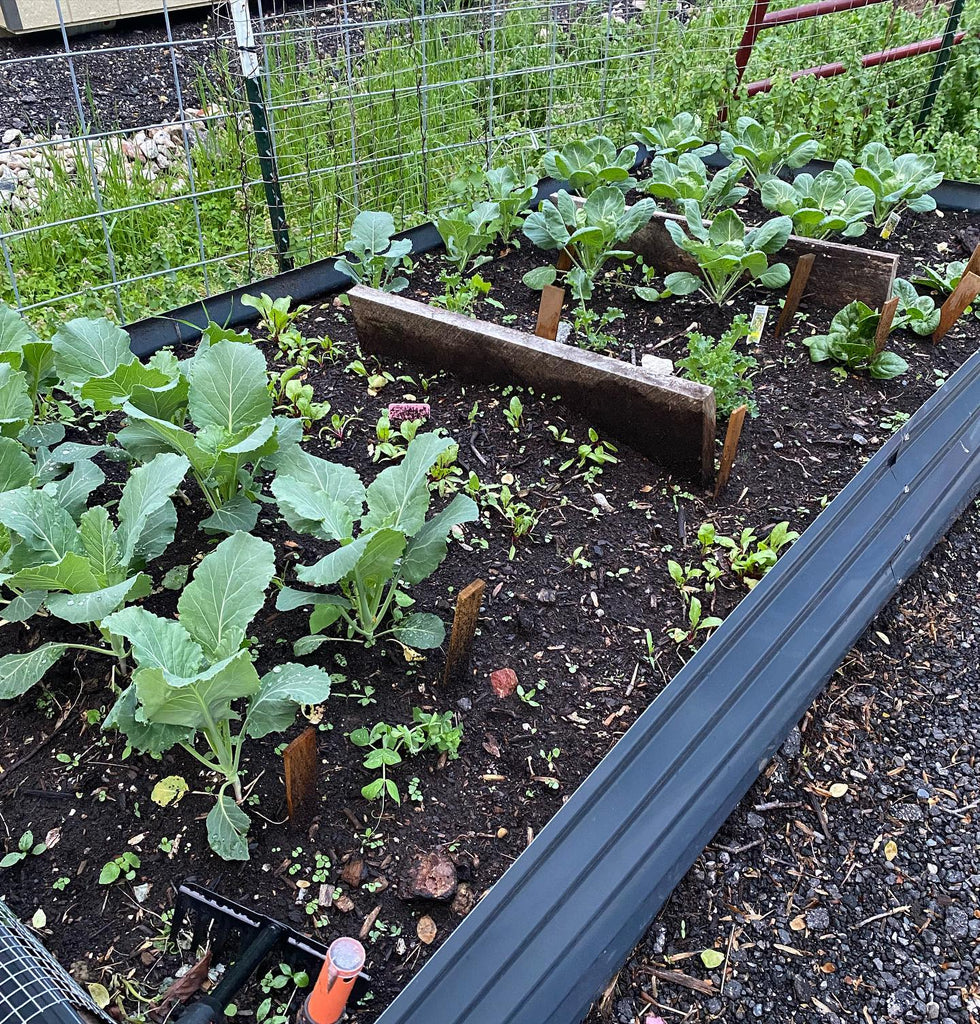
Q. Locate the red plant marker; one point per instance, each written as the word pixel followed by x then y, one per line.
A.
pixel 399 412
pixel 326 1003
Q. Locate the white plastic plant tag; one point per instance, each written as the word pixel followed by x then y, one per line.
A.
pixel 890 224
pixel 758 324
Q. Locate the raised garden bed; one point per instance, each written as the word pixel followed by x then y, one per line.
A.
pixel 581 607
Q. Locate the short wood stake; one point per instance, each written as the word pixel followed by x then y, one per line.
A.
pixel 885 324
pixel 973 265
pixel 564 261
pixel 549 312
pixel 801 274
pixel 732 434
pixel 965 292
pixel 464 626
pixel 300 764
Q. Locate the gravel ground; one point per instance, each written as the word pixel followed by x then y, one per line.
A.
pixel 860 905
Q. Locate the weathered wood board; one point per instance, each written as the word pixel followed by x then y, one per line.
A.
pixel 669 419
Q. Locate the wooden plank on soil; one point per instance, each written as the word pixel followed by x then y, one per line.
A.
pixel 669 419
pixel 464 626
pixel 797 285
pixel 300 768
pixel 964 293
pixel 549 311
pixel 840 274
pixel 728 452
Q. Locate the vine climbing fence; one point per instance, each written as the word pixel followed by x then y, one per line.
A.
pixel 150 164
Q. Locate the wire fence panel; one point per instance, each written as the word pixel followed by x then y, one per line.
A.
pixel 131 181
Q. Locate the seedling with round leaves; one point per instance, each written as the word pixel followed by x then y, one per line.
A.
pixel 191 670
pixel 590 164
pixel 730 257
pixel 915 312
pixel 382 550
pixel 898 183
pixel 851 341
pixel 671 138
pixel 589 232
pixel 764 151
pixel 821 205
pixel 374 257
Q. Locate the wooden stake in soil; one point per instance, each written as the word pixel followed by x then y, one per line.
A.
pixel 564 261
pixel 464 626
pixel 973 265
pixel 966 291
pixel 549 312
pixel 801 274
pixel 300 763
pixel 732 434
pixel 885 324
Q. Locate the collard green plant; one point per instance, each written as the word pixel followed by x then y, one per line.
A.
pixel 915 312
pixel 670 138
pixel 722 367
pixel 898 183
pixel 467 235
pixel 851 341
pixel 512 194
pixel 375 257
pixel 190 672
pixel 381 550
pixel 764 151
pixel 821 205
pixel 589 232
pixel 230 409
pixel 78 564
pixel 590 164
pixel 687 178
pixel 729 256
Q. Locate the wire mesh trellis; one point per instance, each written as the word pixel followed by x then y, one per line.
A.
pixel 134 183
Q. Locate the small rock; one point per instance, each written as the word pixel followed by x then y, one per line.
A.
pixel 859 439
pixel 957 923
pixel 546 596
pixel 464 900
pixel 10 135
pixel 818 919
pixel 564 331
pixel 655 364
pixel 464 704
pixel 503 681
pixel 755 821
pixel 429 875
pixel 793 743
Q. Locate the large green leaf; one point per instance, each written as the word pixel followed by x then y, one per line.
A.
pixel 14 330
pixel 335 566
pixel 273 708
pixel 421 630
pixel 143 533
pixel 72 491
pixel 109 392
pixel 71 573
pixel 312 511
pixel 237 515
pixel 16 467
pixel 227 827
pixel 95 605
pixel 229 387
pixel 24 606
pixel 38 364
pixel 340 482
pixel 399 495
pixel 145 436
pixel 148 737
pixel 45 530
pixel 196 702
pixel 16 407
pixel 377 563
pixel 427 548
pixel 157 642
pixel 90 348
pixel 19 672
pixel 227 590
pixel 99 540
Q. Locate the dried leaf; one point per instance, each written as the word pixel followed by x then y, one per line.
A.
pixel 798 923
pixel 99 994
pixel 838 789
pixel 712 958
pixel 169 790
pixel 426 929
pixel 891 850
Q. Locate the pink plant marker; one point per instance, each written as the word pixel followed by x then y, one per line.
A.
pixel 399 412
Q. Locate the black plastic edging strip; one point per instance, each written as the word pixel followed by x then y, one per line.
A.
pixel 546 938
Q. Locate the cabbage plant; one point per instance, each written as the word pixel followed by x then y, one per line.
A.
pixel 380 549
pixel 688 179
pixel 671 138
pixel 821 205
pixel 191 671
pixel 764 151
pixel 898 183
pixel 589 164
pixel 851 341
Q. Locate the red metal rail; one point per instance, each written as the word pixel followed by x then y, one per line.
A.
pixel 761 17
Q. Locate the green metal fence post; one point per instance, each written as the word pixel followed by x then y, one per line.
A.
pixel 942 61
pixel 264 143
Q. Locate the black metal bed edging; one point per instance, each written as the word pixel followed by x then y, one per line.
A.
pixel 551 933
pixel 321 278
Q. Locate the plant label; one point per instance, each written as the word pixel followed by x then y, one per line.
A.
pixel 888 228
pixel 728 452
pixel 965 292
pixel 758 324
pixel 400 412
pixel 464 627
pixel 299 761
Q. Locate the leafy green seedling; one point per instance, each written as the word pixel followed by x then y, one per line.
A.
pixel 375 257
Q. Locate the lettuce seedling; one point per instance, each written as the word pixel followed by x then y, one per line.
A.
pixel 376 258
pixel 688 179
pixel 77 564
pixel 821 205
pixel 230 407
pixel 589 232
pixel 730 257
pixel 591 164
pixel 381 550
pixel 191 669
pixel 851 341
pixel 673 137
pixel 898 183
pixel 763 150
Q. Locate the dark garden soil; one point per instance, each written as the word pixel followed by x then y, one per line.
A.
pixel 580 613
